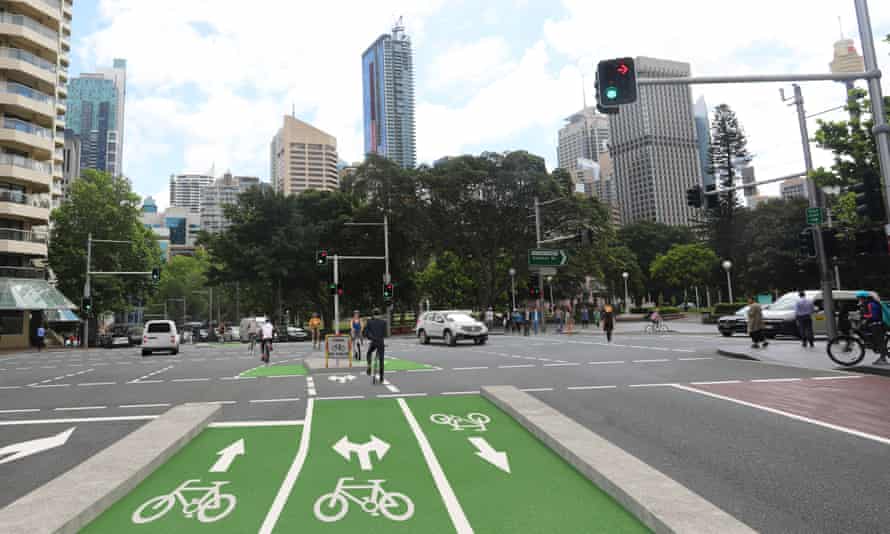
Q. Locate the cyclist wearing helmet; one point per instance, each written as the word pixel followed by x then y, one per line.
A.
pixel 355 330
pixel 873 322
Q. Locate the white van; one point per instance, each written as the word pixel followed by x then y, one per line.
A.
pixel 248 325
pixel 780 319
pixel 160 335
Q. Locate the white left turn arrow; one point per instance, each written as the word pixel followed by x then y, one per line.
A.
pixel 227 456
pixel 27 448
pixel 487 453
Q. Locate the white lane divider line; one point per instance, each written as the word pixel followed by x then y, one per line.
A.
pixel 142 379
pixel 390 386
pixel 69 375
pixel 455 511
pixel 474 392
pixel 612 362
pixel 662 385
pixel 660 360
pixel 522 366
pixel 261 401
pixel 80 408
pixel 155 405
pixel 715 382
pixel 310 387
pixel 682 350
pixel 835 377
pixel 816 422
pixel 400 395
pixel 146 382
pixel 60 421
pixel 532 390
pixel 693 359
pixel 767 380
pixel 342 397
pixel 469 368
pixel 89 384
pixel 190 380
pixel 566 364
pixel 51 386
pixel 586 388
pixel 292 474
pixel 10 387
pixel 23 410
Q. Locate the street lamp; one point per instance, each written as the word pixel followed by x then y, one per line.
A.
pixel 727 266
pixel 626 275
pixel 513 286
pixel 550 281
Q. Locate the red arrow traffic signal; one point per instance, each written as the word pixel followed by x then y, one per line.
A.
pixel 622 69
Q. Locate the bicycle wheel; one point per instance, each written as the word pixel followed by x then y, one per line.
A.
pixel 440 419
pixel 157 508
pixel 396 506
pixel 846 350
pixel 331 507
pixel 478 418
pixel 206 514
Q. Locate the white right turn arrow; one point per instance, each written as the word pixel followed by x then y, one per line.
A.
pixel 487 453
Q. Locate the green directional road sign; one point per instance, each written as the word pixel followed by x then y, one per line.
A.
pixel 814 216
pixel 543 257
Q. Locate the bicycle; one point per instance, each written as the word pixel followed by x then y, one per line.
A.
pixel 392 505
pixel 473 421
pixel 357 348
pixel 848 349
pixel 212 501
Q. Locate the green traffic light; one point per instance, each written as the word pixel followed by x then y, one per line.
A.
pixel 611 93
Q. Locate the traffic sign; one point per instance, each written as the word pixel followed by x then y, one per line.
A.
pixel 814 216
pixel 547 258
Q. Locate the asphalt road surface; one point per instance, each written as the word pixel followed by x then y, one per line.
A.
pixel 783 449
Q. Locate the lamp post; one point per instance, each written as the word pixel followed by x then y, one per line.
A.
pixel 626 275
pixel 550 281
pixel 513 287
pixel 727 266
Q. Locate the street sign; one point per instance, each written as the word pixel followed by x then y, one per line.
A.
pixel 547 258
pixel 814 216
pixel 337 347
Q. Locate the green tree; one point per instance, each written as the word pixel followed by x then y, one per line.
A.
pixel 447 281
pixel 183 277
pixel 106 207
pixel 685 266
pixel 648 240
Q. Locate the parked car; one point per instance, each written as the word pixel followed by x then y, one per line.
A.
pixel 160 336
pixel 203 334
pixel 119 337
pixel 295 333
pixel 736 323
pixel 780 319
pixel 233 333
pixel 451 327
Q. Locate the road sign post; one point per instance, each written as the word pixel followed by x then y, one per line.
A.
pixel 337 347
pixel 541 257
pixel 814 216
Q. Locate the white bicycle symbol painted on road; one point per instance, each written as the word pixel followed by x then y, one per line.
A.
pixel 473 421
pixel 209 507
pixel 333 506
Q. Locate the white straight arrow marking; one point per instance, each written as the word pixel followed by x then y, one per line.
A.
pixel 27 448
pixel 227 456
pixel 487 453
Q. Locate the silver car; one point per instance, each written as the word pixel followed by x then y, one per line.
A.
pixel 451 327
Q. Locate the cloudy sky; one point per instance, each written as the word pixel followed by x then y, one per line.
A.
pixel 209 80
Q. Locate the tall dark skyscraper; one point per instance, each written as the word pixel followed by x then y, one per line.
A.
pixel 388 96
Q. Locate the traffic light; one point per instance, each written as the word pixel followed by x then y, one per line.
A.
pixel 617 82
pixel 807 244
pixel 694 196
pixel 321 257
pixel 156 275
pixel 87 305
pixel 831 242
pixel 872 242
pixel 389 291
pixel 332 289
pixel 711 201
pixel 534 286
pixel 605 109
pixel 869 198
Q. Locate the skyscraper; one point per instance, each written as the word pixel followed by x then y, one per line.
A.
pixel 703 133
pixel 303 157
pixel 586 136
pixel 654 148
pixel 216 196
pixel 96 114
pixel 185 190
pixel 388 96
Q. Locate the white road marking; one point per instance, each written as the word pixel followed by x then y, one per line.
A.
pixel 713 382
pixel 613 362
pixel 242 424
pixel 142 379
pixel 585 388
pixel 310 387
pixel 292 474
pixel 523 366
pixel 461 524
pixel 682 350
pixel 777 380
pixel 80 408
pixel 157 405
pixel 51 386
pixel 651 385
pixel 532 390
pixel 215 402
pixel 190 380
pixel 79 420
pixel 651 361
pixel 816 422
pixel 258 401
pixel 400 395
pixel 561 364
pixel 692 359
pixel 88 384
pixel 146 382
pixel 468 368
pixel 10 387
pixel 343 397
pixel 474 392
pixel 390 386
pixel 423 370
pixel 835 377
pixel 24 410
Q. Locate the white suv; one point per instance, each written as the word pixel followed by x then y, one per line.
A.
pixel 451 327
pixel 160 335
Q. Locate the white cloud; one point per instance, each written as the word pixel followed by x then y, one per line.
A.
pixel 472 63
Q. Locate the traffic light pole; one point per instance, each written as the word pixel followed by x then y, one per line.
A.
pixel 337 295
pixel 540 301
pixel 86 293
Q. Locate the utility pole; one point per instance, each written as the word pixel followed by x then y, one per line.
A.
pixel 336 294
pixel 540 302
pixel 825 273
pixel 86 293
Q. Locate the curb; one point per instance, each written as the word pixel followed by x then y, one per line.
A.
pixel 72 500
pixel 739 356
pixel 655 499
pixel 860 369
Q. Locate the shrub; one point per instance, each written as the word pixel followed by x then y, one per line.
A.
pixel 728 308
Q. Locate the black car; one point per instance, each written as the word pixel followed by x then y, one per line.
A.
pixel 293 333
pixel 734 324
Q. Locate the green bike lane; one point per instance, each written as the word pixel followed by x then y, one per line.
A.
pixel 435 464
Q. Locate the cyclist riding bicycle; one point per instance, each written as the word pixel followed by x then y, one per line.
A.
pixel 355 330
pixel 873 323
pixel 268 332
pixel 375 331
pixel 315 328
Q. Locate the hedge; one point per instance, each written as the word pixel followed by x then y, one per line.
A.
pixel 728 308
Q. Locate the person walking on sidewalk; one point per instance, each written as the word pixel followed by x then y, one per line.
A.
pixel 596 316
pixel 585 317
pixel 315 328
pixel 489 318
pixel 41 335
pixel 755 324
pixel 608 321
pixel 873 323
pixel 375 331
pixel 803 311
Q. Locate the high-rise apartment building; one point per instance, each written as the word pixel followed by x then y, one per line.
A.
pixel 585 137
pixel 221 193
pixel 654 148
pixel 703 133
pixel 793 188
pixel 34 59
pixel 185 190
pixel 70 161
pixel 96 115
pixel 303 157
pixel 388 96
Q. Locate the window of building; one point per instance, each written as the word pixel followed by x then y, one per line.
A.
pixel 12 322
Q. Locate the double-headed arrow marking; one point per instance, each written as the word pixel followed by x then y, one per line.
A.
pixel 345 448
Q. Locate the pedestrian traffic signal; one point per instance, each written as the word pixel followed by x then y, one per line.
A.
pixel 807 244
pixel 156 275
pixel 87 305
pixel 616 82
pixel 321 257
pixel 869 198
pixel 694 196
pixel 389 291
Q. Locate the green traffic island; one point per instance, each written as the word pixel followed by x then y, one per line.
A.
pixel 435 464
pixel 317 364
pixel 274 370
